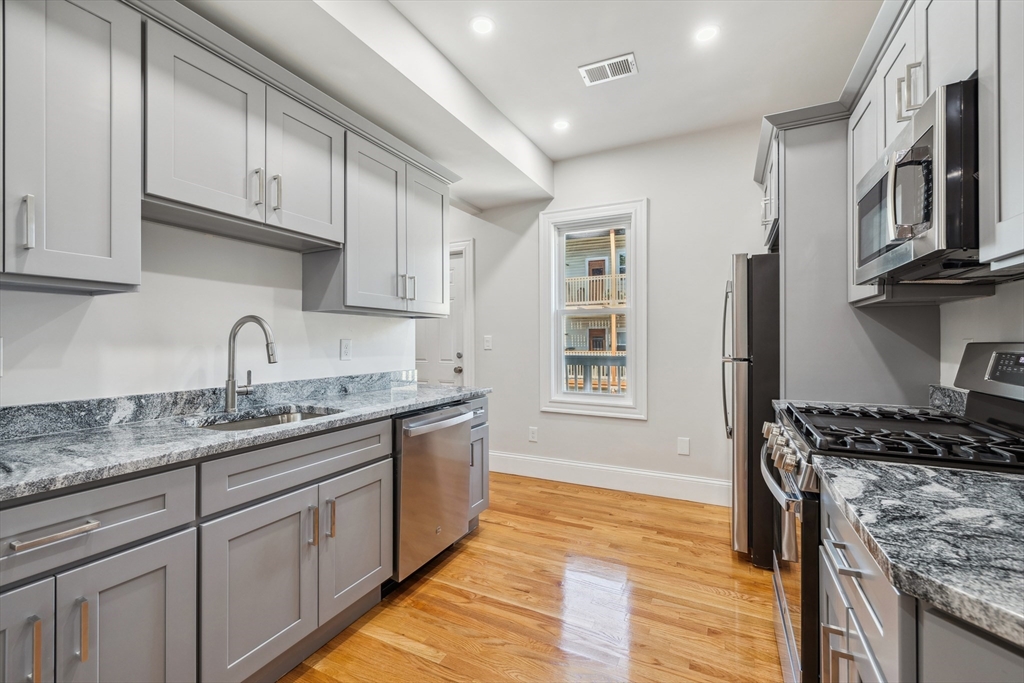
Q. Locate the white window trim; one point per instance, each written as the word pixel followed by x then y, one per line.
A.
pixel 552 399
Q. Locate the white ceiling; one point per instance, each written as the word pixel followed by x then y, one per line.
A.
pixel 771 56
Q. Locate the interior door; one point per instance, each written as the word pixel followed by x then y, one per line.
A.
pixel 205 128
pixel 26 633
pixel 130 617
pixel 356 536
pixel 305 169
pixel 73 136
pixel 442 353
pixel 375 235
pixel 259 578
pixel 427 240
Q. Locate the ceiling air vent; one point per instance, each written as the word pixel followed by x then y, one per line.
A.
pixel 608 69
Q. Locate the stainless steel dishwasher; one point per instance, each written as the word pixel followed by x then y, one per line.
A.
pixel 431 484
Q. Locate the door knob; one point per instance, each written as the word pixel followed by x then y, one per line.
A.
pixel 458 369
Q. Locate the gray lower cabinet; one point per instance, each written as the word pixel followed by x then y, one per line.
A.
pixel 26 634
pixel 950 650
pixel 258 584
pixel 479 470
pixel 355 536
pixel 73 145
pixel 130 617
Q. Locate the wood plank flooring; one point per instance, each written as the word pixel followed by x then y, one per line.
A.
pixel 569 583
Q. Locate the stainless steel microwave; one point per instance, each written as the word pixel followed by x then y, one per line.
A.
pixel 917 207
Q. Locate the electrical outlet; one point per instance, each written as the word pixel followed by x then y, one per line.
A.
pixel 346 349
pixel 683 445
pixel 533 434
pixel 488 343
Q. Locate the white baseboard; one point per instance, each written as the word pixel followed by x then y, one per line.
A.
pixel 665 484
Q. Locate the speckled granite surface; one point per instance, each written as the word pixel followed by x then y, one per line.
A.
pixel 949 399
pixel 952 537
pixel 57 459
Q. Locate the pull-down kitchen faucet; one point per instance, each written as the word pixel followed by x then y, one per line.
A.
pixel 231 395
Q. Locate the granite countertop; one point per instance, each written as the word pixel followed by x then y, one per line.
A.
pixel 44 462
pixel 952 537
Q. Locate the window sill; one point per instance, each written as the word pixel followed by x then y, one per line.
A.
pixel 592 410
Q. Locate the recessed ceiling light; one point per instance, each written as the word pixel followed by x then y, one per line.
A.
pixel 483 24
pixel 706 33
pixel 561 125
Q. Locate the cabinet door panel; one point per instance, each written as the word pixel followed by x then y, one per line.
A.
pixel 25 615
pixel 893 69
pixel 139 613
pixel 865 147
pixel 479 470
pixel 205 127
pixel 358 509
pixel 73 133
pixel 375 247
pixel 427 235
pixel 259 571
pixel 305 169
pixel 947 42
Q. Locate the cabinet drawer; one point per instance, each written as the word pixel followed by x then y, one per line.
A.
pixel 480 412
pixel 42 536
pixel 885 616
pixel 242 478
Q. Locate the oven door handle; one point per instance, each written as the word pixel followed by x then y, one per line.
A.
pixel 790 502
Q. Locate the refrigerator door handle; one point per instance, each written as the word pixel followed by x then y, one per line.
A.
pixel 725 359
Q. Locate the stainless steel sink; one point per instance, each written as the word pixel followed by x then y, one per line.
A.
pixel 286 416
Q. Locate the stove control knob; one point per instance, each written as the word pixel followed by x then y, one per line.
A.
pixel 778 450
pixel 790 460
pixel 769 428
pixel 776 438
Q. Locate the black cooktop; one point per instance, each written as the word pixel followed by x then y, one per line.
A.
pixel 910 435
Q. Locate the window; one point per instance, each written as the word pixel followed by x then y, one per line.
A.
pixel 594 310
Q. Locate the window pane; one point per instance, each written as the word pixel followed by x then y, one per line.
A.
pixel 595 267
pixel 594 353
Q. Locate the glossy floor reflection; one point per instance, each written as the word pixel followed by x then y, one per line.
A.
pixel 569 583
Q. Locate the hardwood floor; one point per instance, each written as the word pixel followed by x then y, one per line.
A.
pixel 569 583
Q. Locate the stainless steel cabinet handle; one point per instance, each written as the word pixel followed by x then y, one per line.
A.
pixel 478 412
pixel 30 221
pixel 911 105
pixel 334 517
pixel 842 566
pixel 83 606
pixel 412 281
pixel 280 191
pixel 426 428
pixel 827 631
pixel 315 540
pixel 90 524
pixel 405 287
pixel 726 359
pixel 37 649
pixel 790 502
pixel 262 195
pixel 901 113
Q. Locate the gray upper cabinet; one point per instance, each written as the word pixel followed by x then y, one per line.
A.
pixel 947 44
pixel 479 470
pixel 375 249
pixel 305 169
pixel 73 157
pixel 130 617
pixel 427 243
pixel 356 536
pixel 259 585
pixel 893 72
pixel 864 142
pixel 770 199
pixel 1001 132
pixel 205 128
pixel 26 634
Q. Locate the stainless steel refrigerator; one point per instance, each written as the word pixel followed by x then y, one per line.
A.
pixel 751 321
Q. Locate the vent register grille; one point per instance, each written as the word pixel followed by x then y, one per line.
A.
pixel 608 69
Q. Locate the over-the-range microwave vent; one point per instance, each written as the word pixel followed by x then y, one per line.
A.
pixel 608 69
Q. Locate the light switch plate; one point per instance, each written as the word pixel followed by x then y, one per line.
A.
pixel 346 349
pixel 683 445
pixel 488 343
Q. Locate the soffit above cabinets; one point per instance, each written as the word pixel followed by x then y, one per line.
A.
pixel 369 64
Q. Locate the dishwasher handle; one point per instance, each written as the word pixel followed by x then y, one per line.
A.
pixel 427 427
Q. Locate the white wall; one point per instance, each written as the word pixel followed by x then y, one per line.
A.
pixel 172 335
pixel 703 208
pixel 998 318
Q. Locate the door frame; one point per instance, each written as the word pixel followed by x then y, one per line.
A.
pixel 467 248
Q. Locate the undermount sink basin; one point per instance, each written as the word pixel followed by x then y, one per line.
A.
pixel 279 416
